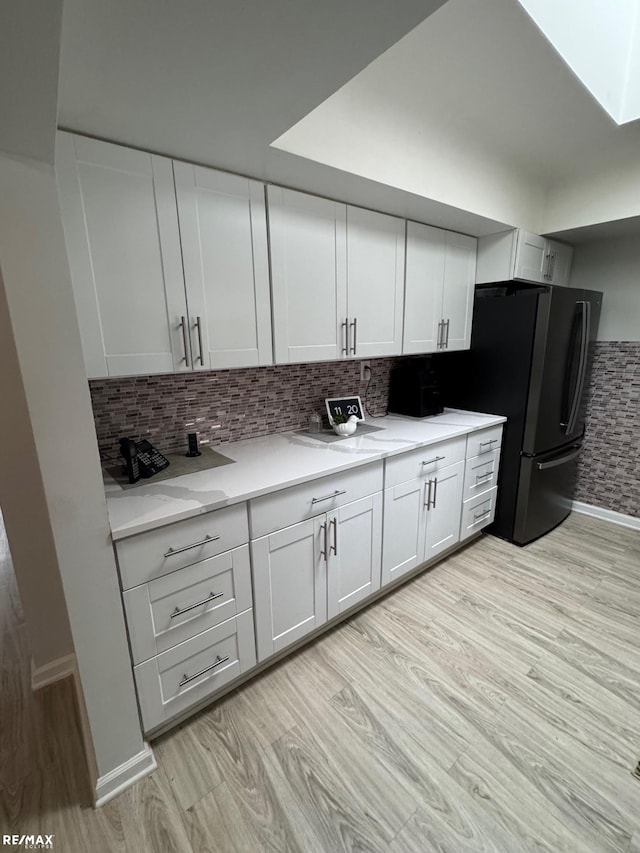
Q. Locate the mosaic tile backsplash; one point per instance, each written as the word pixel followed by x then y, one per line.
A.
pixel 609 472
pixel 227 405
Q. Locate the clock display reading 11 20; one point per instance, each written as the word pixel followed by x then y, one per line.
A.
pixel 345 406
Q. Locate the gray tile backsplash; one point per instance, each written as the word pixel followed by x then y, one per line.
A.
pixel 609 471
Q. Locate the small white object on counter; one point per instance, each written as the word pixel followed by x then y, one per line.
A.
pixel 347 428
pixel 263 465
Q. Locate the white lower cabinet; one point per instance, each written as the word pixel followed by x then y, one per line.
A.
pixel 421 520
pixel 443 515
pixel 318 549
pixel 312 571
pixel 183 676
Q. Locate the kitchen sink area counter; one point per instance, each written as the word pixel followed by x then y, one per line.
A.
pixel 224 569
pixel 273 462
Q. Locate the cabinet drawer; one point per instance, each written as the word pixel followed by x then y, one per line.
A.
pixel 151 555
pixel 424 461
pixel 176 680
pixel 477 513
pixel 481 474
pixel 298 503
pixel 484 441
pixel 180 605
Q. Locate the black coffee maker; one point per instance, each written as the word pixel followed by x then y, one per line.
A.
pixel 415 389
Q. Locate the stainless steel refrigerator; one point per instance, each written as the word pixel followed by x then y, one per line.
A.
pixel 530 360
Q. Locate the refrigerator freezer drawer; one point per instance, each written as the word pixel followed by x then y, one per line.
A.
pixel 545 492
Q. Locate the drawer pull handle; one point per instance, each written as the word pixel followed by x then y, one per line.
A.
pixel 178 611
pixel 187 678
pixel 480 515
pixel 328 497
pixel 435 459
pixel 173 551
pixel 484 476
pixel 490 442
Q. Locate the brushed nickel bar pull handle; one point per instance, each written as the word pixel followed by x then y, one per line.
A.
pixel 345 326
pixel 427 491
pixel 355 335
pixel 328 497
pixel 198 325
pixel 435 491
pixel 484 476
pixel 183 325
pixel 323 551
pixel 446 343
pixel 435 459
pixel 490 442
pixel 440 330
pixel 334 547
pixel 179 611
pixel 547 274
pixel 187 678
pixel 480 515
pixel 173 551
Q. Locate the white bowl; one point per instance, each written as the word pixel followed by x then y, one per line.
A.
pixel 345 429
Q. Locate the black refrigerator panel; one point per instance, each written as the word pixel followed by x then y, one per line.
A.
pixel 565 327
pixel 545 491
pixel 494 377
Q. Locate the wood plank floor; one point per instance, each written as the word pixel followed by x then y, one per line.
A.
pixel 492 704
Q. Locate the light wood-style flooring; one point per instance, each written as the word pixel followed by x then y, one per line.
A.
pixel 492 704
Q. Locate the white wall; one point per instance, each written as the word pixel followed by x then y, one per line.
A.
pixel 25 510
pixel 612 266
pixel 59 497
pixel 39 296
pixel 29 32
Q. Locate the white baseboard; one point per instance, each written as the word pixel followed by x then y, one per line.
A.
pixel 52 671
pixel 607 515
pixel 118 780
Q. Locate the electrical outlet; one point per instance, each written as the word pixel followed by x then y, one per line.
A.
pixel 365 371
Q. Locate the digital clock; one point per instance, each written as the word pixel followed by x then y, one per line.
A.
pixel 345 406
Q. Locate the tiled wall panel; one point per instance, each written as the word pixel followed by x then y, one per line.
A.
pixel 227 405
pixel 609 472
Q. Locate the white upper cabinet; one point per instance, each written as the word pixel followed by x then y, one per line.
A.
pixel 523 256
pixel 337 275
pixel 121 229
pixel 309 276
pixel 223 234
pixel 440 275
pixel 375 282
pixel 530 258
pixel 458 290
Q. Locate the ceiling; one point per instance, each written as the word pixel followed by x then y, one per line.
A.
pixel 217 81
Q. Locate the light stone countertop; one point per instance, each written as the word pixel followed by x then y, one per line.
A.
pixel 272 462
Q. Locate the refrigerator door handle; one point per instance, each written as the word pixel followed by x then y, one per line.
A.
pixel 582 367
pixel 553 463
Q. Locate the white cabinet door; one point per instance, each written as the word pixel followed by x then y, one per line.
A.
pixel 458 290
pixel 375 282
pixel 309 276
pixel 560 263
pixel 121 228
pixel 289 584
pixel 425 264
pixel 355 547
pixel 223 233
pixel 443 516
pixel 404 529
pixel 531 261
